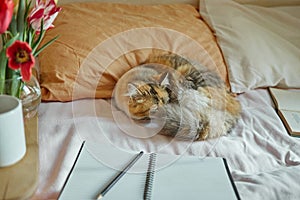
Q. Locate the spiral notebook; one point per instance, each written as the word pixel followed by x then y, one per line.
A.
pixel 153 176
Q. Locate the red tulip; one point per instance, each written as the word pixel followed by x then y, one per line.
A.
pixel 43 10
pixel 6 13
pixel 20 57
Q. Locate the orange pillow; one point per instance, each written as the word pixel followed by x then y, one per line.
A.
pixel 99 42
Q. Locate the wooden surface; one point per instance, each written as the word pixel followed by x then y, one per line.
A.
pixel 20 180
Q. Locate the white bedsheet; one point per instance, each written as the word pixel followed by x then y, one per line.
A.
pixel 263 158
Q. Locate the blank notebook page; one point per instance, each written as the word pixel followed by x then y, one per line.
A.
pixel 176 177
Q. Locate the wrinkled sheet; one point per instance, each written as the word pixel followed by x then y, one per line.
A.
pixel 263 159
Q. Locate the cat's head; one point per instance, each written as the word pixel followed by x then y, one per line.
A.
pixel 145 97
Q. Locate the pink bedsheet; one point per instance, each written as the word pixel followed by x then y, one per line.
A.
pixel 263 158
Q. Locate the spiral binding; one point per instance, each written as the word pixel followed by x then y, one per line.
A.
pixel 150 177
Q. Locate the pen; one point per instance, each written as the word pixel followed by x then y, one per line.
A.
pixel 119 176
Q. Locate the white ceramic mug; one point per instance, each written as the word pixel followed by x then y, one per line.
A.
pixel 12 134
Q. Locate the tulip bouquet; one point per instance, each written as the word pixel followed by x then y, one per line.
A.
pixel 22 28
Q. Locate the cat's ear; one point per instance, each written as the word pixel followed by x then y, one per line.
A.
pixel 164 79
pixel 131 90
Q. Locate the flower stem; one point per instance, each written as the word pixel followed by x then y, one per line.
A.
pixel 14 83
pixel 3 63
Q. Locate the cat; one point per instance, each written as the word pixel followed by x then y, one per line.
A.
pixel 192 100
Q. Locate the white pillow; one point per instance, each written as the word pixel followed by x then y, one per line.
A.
pixel 261 45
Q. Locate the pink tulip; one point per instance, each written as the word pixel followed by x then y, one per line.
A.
pixel 6 13
pixel 45 10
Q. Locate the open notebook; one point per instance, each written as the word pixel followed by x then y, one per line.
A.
pixel 174 177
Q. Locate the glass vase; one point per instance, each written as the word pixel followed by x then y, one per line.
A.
pixel 28 92
pixel 31 97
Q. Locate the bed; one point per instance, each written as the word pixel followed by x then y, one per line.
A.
pixel 252 44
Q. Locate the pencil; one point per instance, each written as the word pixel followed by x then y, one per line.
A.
pixel 119 176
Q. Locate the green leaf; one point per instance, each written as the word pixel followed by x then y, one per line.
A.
pixel 3 63
pixel 30 38
pixel 21 18
pixel 44 46
pixel 11 41
pixel 27 9
pixel 39 39
pixel 13 26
